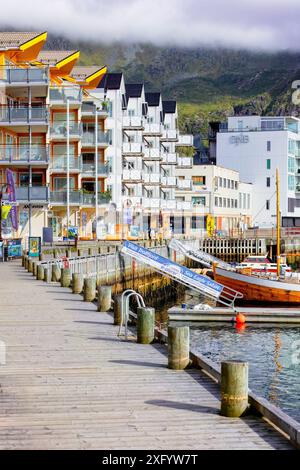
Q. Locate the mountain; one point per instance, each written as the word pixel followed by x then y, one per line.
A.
pixel 208 83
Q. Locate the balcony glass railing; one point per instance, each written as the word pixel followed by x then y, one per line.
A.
pixel 169 158
pixel 79 197
pixel 23 153
pixel 132 148
pixel 89 199
pixel 88 138
pixel 60 163
pixel 23 115
pixel 90 108
pixel 152 154
pixel 59 130
pixel 61 95
pixel 150 128
pixel 168 181
pixel 19 75
pixel 133 121
pixel 185 139
pixel 90 168
pixel 185 162
pixel 151 178
pixel 31 193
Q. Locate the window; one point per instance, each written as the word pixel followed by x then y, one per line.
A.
pixel 268 146
pixel 292 146
pixel 291 182
pixel 220 202
pixel 199 180
pixel 220 182
pixel 131 112
pixel 268 164
pixel 228 202
pixel 235 203
pixel 248 201
pixel 216 201
pixel 268 181
pixel 224 202
pixel 235 185
pixel 240 125
pixel 291 165
pixel 197 222
pixel 232 184
pixel 198 201
pixel 37 179
pixel 267 205
pixel 60 183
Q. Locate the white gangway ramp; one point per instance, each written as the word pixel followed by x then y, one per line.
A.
pixel 203 258
pixel 181 274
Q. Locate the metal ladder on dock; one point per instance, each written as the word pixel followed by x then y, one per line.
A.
pixel 125 298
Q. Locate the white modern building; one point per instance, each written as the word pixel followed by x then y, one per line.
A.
pixel 255 146
pixel 215 191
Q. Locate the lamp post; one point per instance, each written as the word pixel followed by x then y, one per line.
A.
pixel 68 166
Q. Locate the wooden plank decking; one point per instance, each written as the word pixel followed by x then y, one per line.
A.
pixel 70 383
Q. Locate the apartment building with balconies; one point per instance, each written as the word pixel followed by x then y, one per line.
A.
pixel 215 191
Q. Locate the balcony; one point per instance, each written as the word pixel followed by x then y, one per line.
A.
pixel 133 122
pixel 169 181
pixel 169 135
pixel 169 159
pixel 151 178
pixel 58 164
pixel 136 201
pixel 25 194
pixel 184 184
pixel 152 154
pixel 88 139
pixel 185 140
pixel 89 199
pixel 60 96
pixel 60 197
pixel 89 169
pixel 133 176
pixel 23 116
pixel 184 205
pixel 132 149
pixel 24 76
pixel 89 109
pixel 150 203
pixel 169 204
pixel 59 131
pixel 24 155
pixel 185 162
pixel 152 129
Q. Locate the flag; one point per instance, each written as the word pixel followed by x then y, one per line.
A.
pixel 5 210
pixel 12 198
pixel 210 225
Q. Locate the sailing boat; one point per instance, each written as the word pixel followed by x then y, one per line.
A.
pixel 256 286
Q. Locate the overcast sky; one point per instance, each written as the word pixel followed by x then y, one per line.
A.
pixel 254 24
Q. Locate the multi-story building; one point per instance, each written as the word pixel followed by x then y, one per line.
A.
pixel 255 146
pixel 210 190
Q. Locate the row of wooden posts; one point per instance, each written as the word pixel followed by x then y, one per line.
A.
pixel 234 374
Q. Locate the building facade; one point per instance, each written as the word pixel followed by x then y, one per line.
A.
pixel 255 146
pixel 213 192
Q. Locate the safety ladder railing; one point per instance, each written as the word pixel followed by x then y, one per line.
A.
pixel 125 298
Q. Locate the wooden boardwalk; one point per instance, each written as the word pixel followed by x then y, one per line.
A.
pixel 70 383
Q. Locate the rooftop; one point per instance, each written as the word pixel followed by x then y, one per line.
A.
pixel 169 107
pixel 134 90
pixel 153 98
pixel 53 57
pixel 111 81
pixel 15 39
pixel 81 72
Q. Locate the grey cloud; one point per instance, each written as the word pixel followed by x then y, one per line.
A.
pixel 254 24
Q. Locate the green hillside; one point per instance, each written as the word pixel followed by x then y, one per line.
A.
pixel 208 83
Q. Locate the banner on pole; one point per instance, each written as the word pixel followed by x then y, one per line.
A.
pixel 12 198
pixel 174 270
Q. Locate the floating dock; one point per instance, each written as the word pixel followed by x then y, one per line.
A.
pixel 225 314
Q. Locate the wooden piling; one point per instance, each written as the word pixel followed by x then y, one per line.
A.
pixel 145 325
pixel 40 272
pixel 80 252
pixel 89 289
pixel 47 274
pixel 104 298
pixel 56 273
pixel 65 280
pixel 34 268
pixel 234 388
pixel 69 253
pixel 178 347
pixel 77 283
pixel 30 267
pixel 117 309
pixel 41 256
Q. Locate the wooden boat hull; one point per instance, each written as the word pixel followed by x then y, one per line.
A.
pixel 258 289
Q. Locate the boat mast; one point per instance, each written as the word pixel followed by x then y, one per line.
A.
pixel 278 222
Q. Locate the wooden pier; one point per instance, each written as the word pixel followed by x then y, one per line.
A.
pixel 70 383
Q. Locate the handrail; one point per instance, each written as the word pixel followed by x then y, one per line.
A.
pixel 125 308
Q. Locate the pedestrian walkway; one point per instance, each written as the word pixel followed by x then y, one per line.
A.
pixel 70 383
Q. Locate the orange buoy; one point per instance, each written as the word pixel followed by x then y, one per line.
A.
pixel 240 319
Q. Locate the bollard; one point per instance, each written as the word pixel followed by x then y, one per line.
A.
pixel 80 252
pixel 69 253
pixel 104 298
pixel 145 325
pixel 178 347
pixel 23 260
pixel 77 283
pixel 90 251
pixel 234 388
pixel 30 267
pixel 89 289
pixel 117 309
pixel 40 272
pixel 65 279
pixel 34 268
pixel 55 253
pixel 56 273
pixel 41 256
pixel 26 262
pixel 47 274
